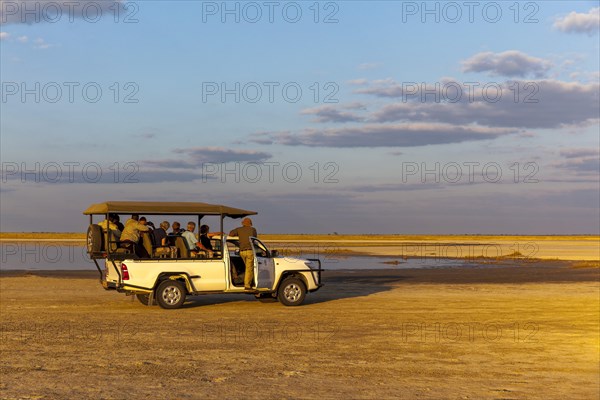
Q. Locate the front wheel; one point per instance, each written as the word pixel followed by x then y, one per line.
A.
pixel 291 291
pixel 170 294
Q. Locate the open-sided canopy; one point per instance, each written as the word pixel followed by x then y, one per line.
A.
pixel 165 208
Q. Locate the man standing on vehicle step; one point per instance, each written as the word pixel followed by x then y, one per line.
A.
pixel 244 233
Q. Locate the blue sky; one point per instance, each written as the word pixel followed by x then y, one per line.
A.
pixel 361 131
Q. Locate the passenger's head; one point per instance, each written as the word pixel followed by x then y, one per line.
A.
pixel 204 229
pixel 165 225
pixel 135 217
pixel 142 220
pixel 191 226
pixel 176 226
pixel 247 222
pixel 113 217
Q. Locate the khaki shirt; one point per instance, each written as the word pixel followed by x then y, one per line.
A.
pixel 113 228
pixel 132 230
pixel 244 233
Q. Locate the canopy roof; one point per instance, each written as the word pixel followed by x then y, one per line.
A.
pixel 165 208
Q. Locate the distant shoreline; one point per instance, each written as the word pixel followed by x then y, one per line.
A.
pixel 474 247
pixel 6 236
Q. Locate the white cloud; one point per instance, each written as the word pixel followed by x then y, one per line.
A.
pixel 580 22
pixel 23 39
pixel 41 44
pixel 509 63
pixel 358 82
pixel 4 35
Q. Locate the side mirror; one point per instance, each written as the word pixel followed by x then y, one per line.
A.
pixel 274 253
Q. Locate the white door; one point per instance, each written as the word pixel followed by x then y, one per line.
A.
pixel 212 275
pixel 264 266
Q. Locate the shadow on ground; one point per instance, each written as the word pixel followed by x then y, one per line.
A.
pixel 339 285
pixel 351 284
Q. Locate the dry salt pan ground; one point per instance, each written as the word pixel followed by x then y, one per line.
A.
pixel 479 333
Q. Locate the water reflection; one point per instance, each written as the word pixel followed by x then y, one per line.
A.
pixel 44 256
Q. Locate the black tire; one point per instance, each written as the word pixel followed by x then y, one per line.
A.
pixel 170 294
pixel 291 292
pixel 266 298
pixel 95 238
pixel 144 298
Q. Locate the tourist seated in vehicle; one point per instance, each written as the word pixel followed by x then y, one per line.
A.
pixel 160 234
pixel 119 223
pixel 161 244
pixel 130 237
pixel 110 223
pixel 149 224
pixel 194 245
pixel 205 238
pixel 113 229
pixel 177 229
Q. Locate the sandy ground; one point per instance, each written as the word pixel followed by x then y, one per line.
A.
pixel 526 332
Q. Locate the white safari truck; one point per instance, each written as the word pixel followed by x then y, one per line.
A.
pixel 167 277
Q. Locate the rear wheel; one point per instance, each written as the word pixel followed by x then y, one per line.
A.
pixel 291 291
pixel 170 294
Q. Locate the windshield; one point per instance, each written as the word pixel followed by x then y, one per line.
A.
pixel 259 247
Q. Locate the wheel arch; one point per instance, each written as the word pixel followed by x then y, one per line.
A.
pixel 292 273
pixel 176 276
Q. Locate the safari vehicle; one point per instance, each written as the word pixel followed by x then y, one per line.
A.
pixel 167 278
